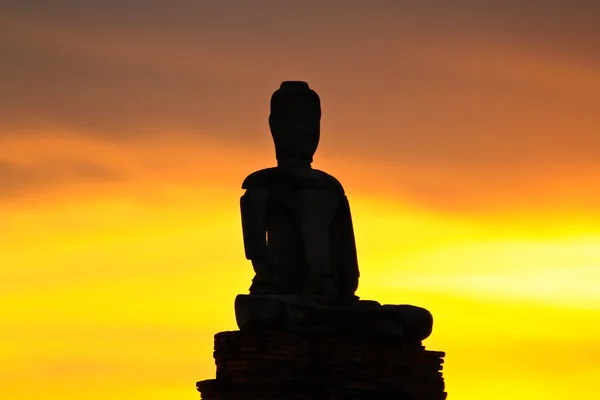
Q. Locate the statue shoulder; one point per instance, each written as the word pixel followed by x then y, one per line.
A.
pixel 290 178
pixel 330 181
pixel 262 178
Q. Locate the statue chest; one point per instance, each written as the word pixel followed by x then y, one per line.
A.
pixel 296 208
pixel 296 217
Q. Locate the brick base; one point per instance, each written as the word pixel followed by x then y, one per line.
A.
pixel 270 365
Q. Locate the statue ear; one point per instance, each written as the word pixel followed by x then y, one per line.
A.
pixel 272 123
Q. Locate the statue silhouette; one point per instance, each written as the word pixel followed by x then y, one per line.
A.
pixel 296 220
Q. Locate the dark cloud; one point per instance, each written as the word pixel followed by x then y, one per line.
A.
pixel 19 179
pixel 113 66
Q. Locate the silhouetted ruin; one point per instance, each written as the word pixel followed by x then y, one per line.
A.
pixel 304 334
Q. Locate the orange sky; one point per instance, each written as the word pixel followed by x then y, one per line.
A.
pixel 467 138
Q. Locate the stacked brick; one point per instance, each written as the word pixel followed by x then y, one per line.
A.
pixel 278 365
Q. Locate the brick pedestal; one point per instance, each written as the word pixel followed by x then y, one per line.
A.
pixel 270 365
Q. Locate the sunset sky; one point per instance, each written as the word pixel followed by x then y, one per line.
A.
pixel 466 135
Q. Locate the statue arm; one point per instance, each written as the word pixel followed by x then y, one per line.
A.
pixel 345 243
pixel 253 206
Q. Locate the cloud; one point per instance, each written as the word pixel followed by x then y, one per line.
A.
pixel 21 179
pixel 482 94
pixel 115 69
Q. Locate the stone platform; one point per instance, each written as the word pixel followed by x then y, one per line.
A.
pixel 277 364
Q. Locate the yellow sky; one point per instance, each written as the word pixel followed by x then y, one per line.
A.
pixel 116 287
pixel 466 139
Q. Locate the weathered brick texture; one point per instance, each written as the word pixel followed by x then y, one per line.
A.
pixel 278 365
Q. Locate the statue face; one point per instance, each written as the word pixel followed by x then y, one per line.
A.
pixel 295 121
pixel 295 138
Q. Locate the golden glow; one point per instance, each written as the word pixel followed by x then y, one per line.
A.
pixel 116 288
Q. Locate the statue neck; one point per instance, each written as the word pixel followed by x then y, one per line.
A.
pixel 293 163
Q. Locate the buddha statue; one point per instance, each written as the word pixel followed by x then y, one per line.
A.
pixel 296 220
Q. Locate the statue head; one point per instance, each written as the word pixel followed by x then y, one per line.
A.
pixel 295 123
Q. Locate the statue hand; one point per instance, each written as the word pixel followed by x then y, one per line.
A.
pixel 320 285
pixel 266 281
